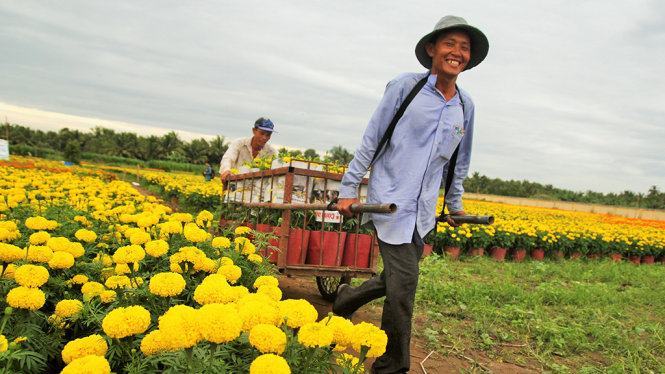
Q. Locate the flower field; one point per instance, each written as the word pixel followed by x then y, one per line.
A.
pixel 97 278
pixel 555 231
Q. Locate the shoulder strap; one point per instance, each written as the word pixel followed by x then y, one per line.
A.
pixel 452 162
pixel 391 128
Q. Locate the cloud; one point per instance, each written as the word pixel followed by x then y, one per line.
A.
pixel 570 94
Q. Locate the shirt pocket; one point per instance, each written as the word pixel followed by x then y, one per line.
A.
pixel 450 140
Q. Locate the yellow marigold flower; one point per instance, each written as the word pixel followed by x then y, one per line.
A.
pixel 181 217
pixel 104 259
pixel 170 227
pixel 156 248
pixel 219 323
pixel 267 339
pixel 154 342
pixel 269 364
pixel 231 272
pixel 92 289
pixel 367 335
pixel 90 345
pixel 214 293
pixel 181 326
pixel 39 253
pixel 80 279
pixel 61 260
pixel 255 312
pixel 166 284
pixel 139 237
pixel 221 242
pixel 88 365
pixel 195 234
pixel 248 248
pixel 31 275
pixel 128 254
pixel 20 339
pixel 147 220
pixel 225 261
pixel 342 330
pixel 242 230
pixel 240 243
pixel 4 344
pixel 315 335
pixel 68 308
pixel 9 271
pixel 26 298
pixel 10 253
pixel 118 281
pixel 40 237
pixel 107 296
pixel 266 280
pixel 123 322
pixel 257 259
pixel 271 291
pixel 297 312
pixel 204 217
pixel 87 236
pixel 215 278
pixel 40 223
pixel 209 265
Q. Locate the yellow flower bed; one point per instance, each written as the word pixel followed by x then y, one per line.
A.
pixel 95 276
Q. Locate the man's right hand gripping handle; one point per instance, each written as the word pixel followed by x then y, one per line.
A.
pixel 344 206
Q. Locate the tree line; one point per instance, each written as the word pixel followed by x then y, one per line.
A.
pixel 169 147
pixel 477 183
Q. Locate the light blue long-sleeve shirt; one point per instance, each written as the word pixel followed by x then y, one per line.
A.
pixel 410 168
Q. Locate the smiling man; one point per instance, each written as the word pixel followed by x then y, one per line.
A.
pixel 423 125
pixel 245 150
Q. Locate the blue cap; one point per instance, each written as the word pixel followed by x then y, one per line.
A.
pixel 264 124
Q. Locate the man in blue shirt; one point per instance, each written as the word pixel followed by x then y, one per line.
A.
pixel 408 171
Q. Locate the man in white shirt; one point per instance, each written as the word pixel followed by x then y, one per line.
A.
pixel 247 149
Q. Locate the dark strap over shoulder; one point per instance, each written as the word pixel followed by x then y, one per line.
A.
pixel 391 128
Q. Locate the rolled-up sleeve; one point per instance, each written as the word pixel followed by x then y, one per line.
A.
pixel 377 126
pixel 230 157
pixel 454 197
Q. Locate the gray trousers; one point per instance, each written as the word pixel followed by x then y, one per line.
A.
pixel 398 283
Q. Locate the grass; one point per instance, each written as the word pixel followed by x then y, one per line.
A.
pixel 570 316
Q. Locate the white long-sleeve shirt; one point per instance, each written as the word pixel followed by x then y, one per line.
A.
pixel 240 152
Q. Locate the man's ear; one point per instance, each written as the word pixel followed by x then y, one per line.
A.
pixel 429 48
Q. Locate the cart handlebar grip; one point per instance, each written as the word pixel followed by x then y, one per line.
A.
pixel 474 220
pixel 369 208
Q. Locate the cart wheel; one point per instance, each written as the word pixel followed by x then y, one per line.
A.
pixel 328 286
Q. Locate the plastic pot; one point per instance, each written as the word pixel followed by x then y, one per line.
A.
pixel 325 248
pixel 538 254
pixel 298 244
pixel 498 253
pixel 364 243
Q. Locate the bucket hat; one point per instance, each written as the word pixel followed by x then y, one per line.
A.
pixel 479 42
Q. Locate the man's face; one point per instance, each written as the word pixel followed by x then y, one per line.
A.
pixel 261 137
pixel 450 53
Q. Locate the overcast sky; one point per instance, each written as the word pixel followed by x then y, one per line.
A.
pixel 571 93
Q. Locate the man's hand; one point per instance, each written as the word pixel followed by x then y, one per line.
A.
pixel 450 220
pixel 224 175
pixel 344 206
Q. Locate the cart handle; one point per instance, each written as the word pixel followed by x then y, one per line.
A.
pixel 477 220
pixel 355 208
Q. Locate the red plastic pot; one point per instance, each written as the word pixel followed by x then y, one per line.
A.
pixel 616 257
pixel 635 259
pixel 559 254
pixel 452 252
pixel 364 243
pixel 298 244
pixel 427 250
pixel 575 255
pixel 538 254
pixel 518 254
pixel 648 259
pixel 498 253
pixel 593 256
pixel 325 248
pixel 477 252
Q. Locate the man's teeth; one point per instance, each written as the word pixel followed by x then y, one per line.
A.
pixel 453 62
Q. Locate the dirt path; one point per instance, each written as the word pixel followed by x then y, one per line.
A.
pixel 449 362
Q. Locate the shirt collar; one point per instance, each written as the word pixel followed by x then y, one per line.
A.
pixel 431 81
